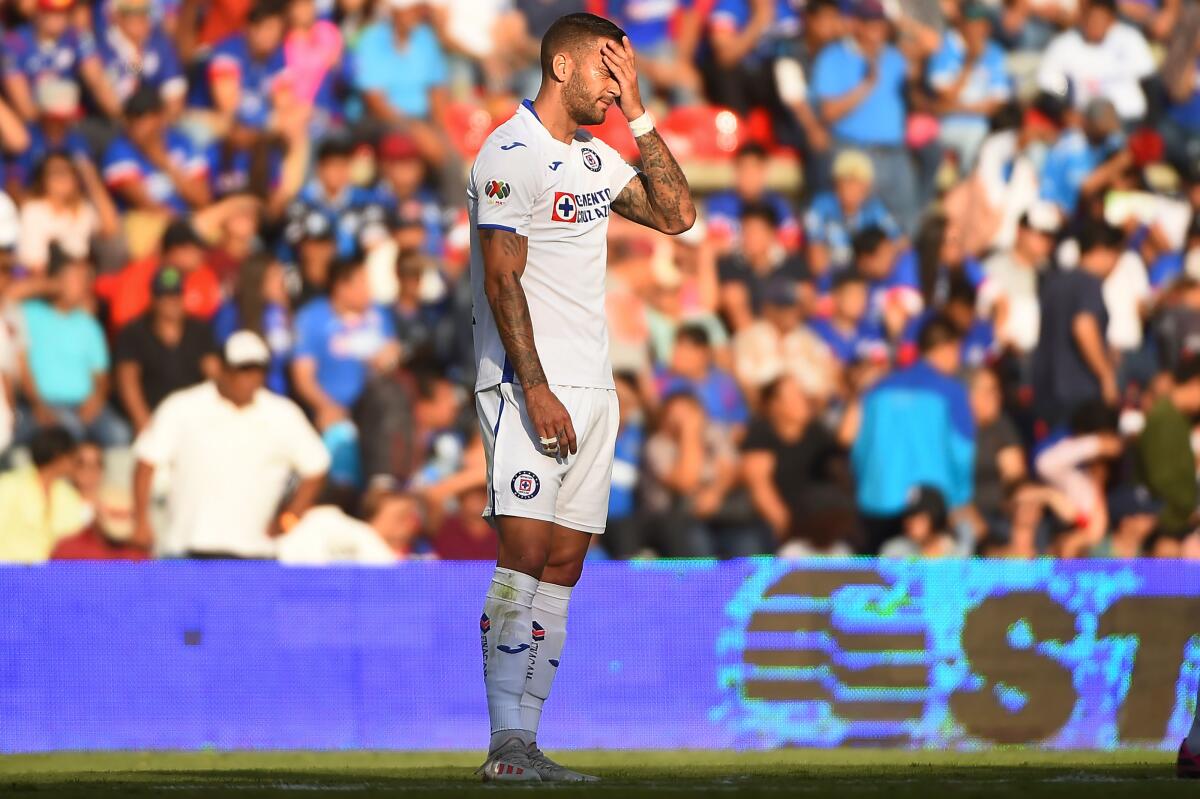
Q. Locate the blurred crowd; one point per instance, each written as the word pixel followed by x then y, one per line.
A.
pixel 943 300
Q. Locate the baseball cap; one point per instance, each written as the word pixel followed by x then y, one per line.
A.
pixel 168 282
pixel 1101 113
pixel 866 10
pixel 780 292
pixel 400 5
pixel 853 164
pixel 135 6
pixel 245 348
pixel 397 147
pixel 1043 217
pixel 180 233
pixel 973 11
pixel 55 5
pixel 56 97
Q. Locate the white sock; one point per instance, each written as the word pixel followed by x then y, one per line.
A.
pixel 550 624
pixel 1193 737
pixel 505 629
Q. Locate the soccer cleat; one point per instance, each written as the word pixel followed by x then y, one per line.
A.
pixel 550 771
pixel 1187 765
pixel 509 763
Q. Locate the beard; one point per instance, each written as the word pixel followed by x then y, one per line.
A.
pixel 582 107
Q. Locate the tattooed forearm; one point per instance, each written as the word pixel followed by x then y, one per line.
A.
pixel 504 255
pixel 660 197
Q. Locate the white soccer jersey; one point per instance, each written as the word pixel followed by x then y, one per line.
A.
pixel 558 196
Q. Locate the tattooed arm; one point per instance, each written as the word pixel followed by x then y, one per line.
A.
pixel 504 255
pixel 658 196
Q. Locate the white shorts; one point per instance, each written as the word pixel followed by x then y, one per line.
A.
pixel 572 492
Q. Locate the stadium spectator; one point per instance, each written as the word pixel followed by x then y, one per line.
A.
pixel 893 285
pixel 915 429
pixel 1076 163
pixel 779 344
pixel 56 128
pixel 790 463
pixel 466 534
pixel 691 470
pixel 260 304
pixel 926 530
pixel 1165 458
pixel 135 50
pixel 403 187
pixel 326 535
pixel 38 505
pixel 835 217
pixel 341 342
pixel 692 370
pixel 314 243
pixel 67 206
pixel 849 335
pixel 247 74
pixel 971 80
pixel 66 360
pixel 723 209
pixel 1009 295
pixel 999 456
pixel 400 69
pixel 622 537
pixel 1071 364
pixel 744 38
pixel 162 351
pixel 859 84
pixel 347 208
pixel 50 47
pixel 153 166
pixel 107 536
pixel 822 26
pixel 758 259
pixel 1101 57
pixel 128 292
pixel 231 447
pixel 313 51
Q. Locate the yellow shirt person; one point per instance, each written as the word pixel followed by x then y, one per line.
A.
pixel 37 504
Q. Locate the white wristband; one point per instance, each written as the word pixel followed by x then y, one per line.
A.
pixel 642 125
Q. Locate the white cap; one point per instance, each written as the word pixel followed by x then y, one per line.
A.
pixel 400 5
pixel 9 225
pixel 246 348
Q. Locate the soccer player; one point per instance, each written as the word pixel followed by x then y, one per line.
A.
pixel 539 199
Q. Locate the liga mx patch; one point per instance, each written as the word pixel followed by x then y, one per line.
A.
pixel 525 485
pixel 497 191
pixel 565 208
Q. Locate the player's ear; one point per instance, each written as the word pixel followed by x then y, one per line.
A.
pixel 561 67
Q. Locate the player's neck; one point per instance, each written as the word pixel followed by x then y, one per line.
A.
pixel 555 118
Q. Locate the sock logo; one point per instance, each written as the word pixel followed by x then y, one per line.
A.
pixel 512 650
pixel 525 485
pixel 553 662
pixel 539 632
pixel 485 623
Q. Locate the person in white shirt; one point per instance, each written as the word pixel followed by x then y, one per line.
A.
pixel 539 199
pixel 328 535
pixel 1101 58
pixel 231 448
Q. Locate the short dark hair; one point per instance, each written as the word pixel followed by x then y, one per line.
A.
pixel 847 277
pixel 1098 234
pixel 868 240
pixel 342 269
pixel 937 331
pixel 144 100
pixel 337 145
pixel 49 444
pixel 693 334
pixel 961 290
pixel 1187 370
pixel 573 31
pixel 1108 5
pixel 759 210
pixel 813 6
pixel 751 149
pixel 265 9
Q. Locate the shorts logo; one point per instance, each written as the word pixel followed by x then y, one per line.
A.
pixel 590 159
pixel 525 485
pixel 497 191
pixel 539 632
pixel 564 207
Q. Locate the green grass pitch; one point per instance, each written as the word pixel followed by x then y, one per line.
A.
pixel 844 774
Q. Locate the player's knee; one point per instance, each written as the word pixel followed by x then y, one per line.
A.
pixel 527 559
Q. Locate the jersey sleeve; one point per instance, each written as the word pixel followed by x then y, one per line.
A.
pixel 506 182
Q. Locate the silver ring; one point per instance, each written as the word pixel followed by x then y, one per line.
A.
pixel 550 442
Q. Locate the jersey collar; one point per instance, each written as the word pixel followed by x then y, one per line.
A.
pixel 527 106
